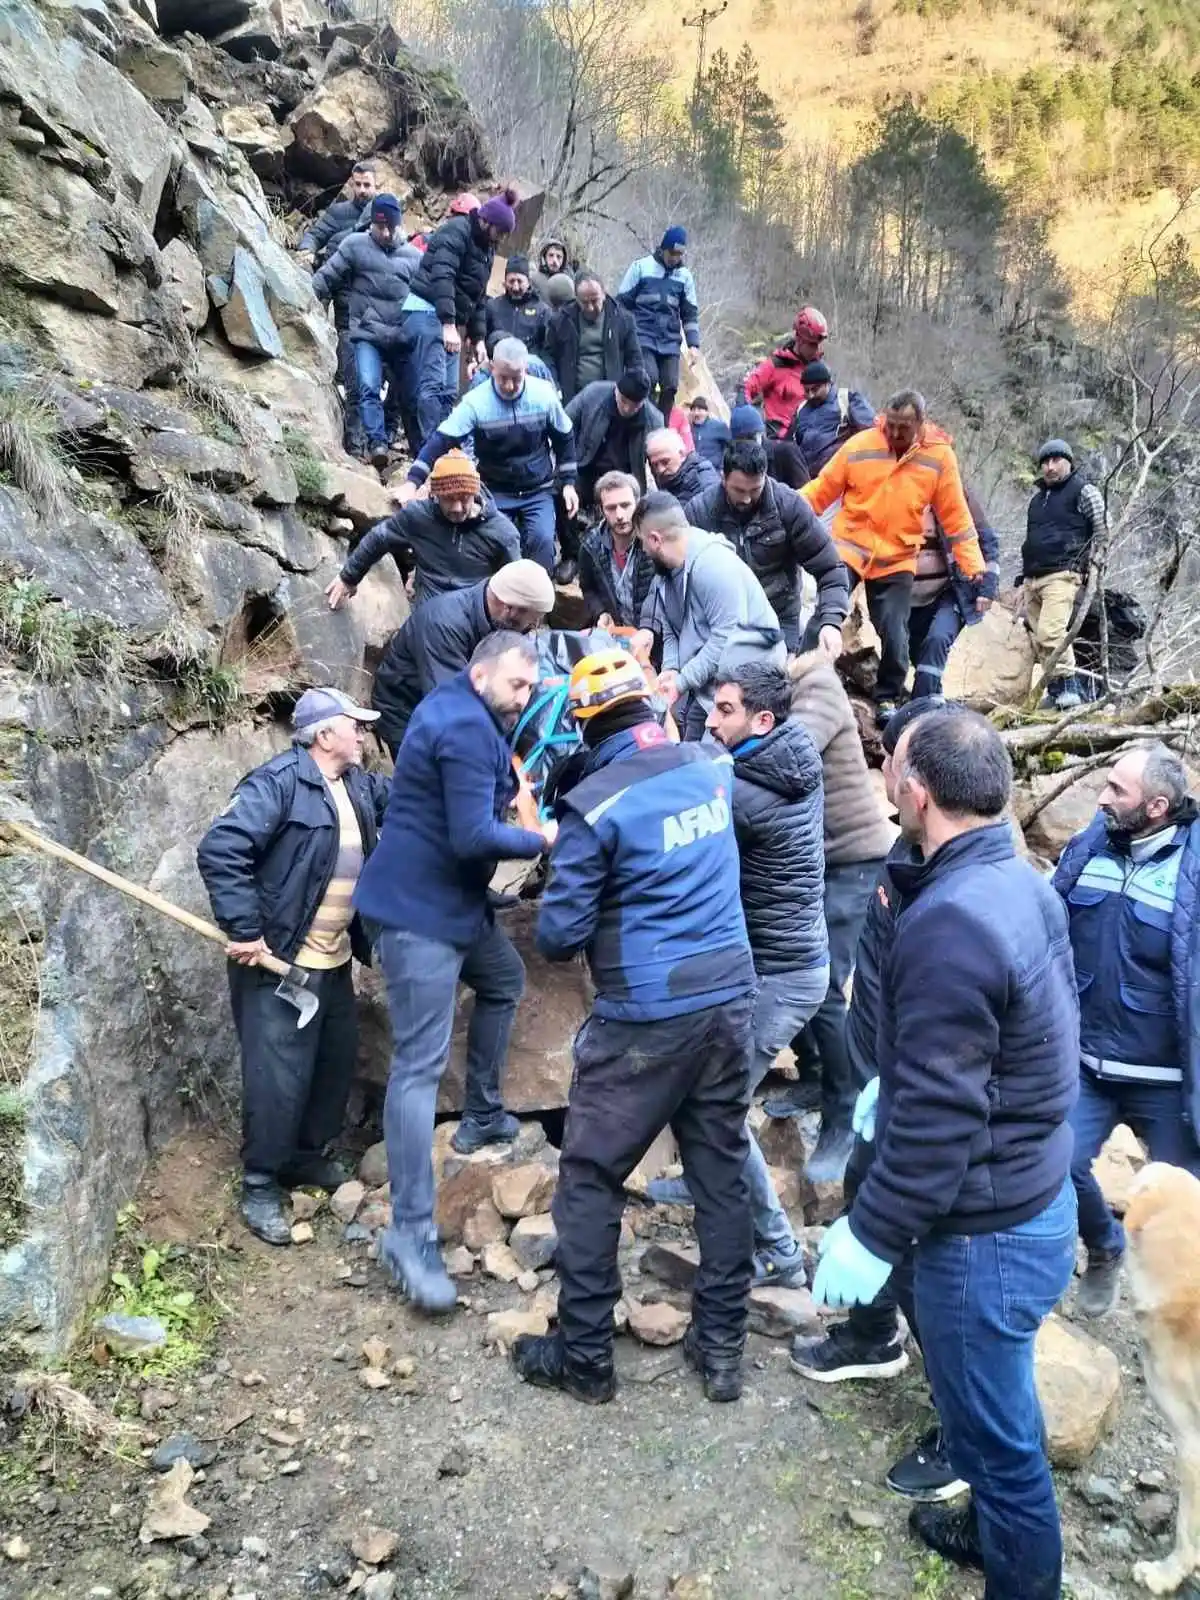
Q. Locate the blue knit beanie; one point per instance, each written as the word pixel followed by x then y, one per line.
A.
pixel 674 239
pixel 745 422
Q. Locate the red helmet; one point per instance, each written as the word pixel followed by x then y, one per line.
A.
pixel 463 204
pixel 810 326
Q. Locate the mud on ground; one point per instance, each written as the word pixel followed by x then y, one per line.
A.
pixel 497 1491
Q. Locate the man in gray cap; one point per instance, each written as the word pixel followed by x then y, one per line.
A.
pixel 280 865
pixel 439 638
pixel 1064 517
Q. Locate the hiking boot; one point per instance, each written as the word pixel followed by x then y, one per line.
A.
pixel 841 1354
pixel 541 1359
pixel 952 1531
pixel 378 456
pixel 566 571
pixel 1099 1286
pixel 722 1374
pixel 262 1211
pixel 669 1192
pixel 321 1172
pixel 925 1472
pixel 471 1135
pixel 794 1101
pixel 414 1264
pixel 827 1164
pixel 779 1266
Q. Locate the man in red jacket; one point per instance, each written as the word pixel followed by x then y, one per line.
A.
pixel 777 384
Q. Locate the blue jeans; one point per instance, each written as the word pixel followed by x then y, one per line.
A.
pixel 422 981
pixel 432 377
pixel 980 1300
pixel 1155 1113
pixel 533 516
pixel 784 1003
pixel 371 365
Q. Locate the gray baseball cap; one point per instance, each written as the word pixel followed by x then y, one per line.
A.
pixel 320 705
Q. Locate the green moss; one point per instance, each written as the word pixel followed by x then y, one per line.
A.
pixel 306 464
pixel 12 1140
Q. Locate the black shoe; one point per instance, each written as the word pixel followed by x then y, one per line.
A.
pixel 827 1164
pixel 722 1374
pixel 322 1172
pixel 541 1359
pixel 263 1213
pixel 1101 1283
pixel 925 1472
pixel 952 1531
pixel 841 1355
pixel 566 571
pixel 379 456
pixel 470 1135
pixel 793 1101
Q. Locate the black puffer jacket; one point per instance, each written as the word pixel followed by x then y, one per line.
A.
pixel 777 817
pixel 618 338
pixel 375 278
pixel 454 272
pixel 437 641
pixel 334 224
pixel 527 319
pixel 447 555
pixel 694 478
pixel 781 536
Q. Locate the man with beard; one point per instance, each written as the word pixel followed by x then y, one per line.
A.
pixel 442 836
pixel 615 573
pixel 590 339
pixel 776 534
pixel 440 637
pixel 1131 883
pixel 452 540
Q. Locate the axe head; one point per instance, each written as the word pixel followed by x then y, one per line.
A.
pixel 295 991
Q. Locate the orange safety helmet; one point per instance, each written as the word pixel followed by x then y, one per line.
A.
pixel 603 680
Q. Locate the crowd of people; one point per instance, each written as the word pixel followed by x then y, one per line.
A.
pixel 716 850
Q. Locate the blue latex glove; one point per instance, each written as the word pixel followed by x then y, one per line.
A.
pixel 863 1120
pixel 849 1275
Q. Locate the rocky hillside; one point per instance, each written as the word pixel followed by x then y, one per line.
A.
pixel 173 500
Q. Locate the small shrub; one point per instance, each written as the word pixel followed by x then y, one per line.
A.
pixel 38 629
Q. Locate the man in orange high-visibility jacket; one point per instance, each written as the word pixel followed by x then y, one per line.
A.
pixel 885 479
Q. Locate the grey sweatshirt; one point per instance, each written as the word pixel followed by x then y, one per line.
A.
pixel 712 615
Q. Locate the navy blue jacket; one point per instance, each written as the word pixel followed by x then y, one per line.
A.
pixel 710 439
pixel 695 477
pixel 442 836
pixel 977 1049
pixel 819 431
pixel 1119 945
pixel 268 858
pixel 663 299
pixel 644 877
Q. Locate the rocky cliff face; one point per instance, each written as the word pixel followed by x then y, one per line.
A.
pixel 173 500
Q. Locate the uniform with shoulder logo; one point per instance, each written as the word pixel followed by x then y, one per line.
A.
pixel 644 880
pixel 1136 938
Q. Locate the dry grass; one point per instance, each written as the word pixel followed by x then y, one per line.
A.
pixel 30 452
pixel 67 1414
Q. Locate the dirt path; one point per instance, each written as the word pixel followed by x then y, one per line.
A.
pixel 497 1491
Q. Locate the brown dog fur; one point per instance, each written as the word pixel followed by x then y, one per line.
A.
pixel 1162 1225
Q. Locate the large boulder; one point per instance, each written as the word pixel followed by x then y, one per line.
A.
pixel 344 118
pixel 1079 1386
pixel 991 662
pixel 556 1000
pixel 253 130
pixel 242 302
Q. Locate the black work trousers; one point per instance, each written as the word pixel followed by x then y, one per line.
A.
pixel 876 1323
pixel 664 380
pixel 631 1080
pixel 889 601
pixel 295 1081
pixel 347 376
